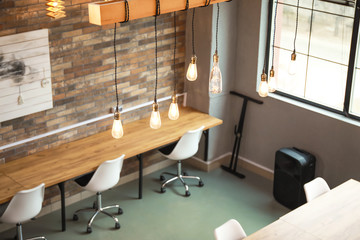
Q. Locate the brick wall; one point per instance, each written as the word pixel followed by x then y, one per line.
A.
pixel 82 63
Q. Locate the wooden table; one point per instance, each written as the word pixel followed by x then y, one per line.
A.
pixel 334 215
pixel 59 164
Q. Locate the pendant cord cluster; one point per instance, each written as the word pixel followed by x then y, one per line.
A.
pixel 175 53
pixel 115 77
pixel 193 32
pixel 273 47
pixel 297 22
pixel 217 26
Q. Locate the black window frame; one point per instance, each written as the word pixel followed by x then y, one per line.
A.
pixel 351 64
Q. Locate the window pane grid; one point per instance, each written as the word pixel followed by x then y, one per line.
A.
pixel 325 49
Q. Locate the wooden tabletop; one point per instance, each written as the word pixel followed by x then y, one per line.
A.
pixel 70 160
pixel 334 215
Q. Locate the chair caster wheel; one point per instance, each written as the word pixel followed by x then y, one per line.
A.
pixel 201 184
pixel 75 217
pixel 117 225
pixel 163 190
pixel 187 193
pixel 94 205
pixel 185 174
pixel 88 230
pixel 162 178
pixel 120 211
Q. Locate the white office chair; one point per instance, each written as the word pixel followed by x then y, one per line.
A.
pixel 25 205
pixel 315 188
pixel 231 230
pixel 106 176
pixel 185 148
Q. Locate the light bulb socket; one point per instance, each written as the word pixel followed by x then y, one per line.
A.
pixel 293 56
pixel 216 57
pixel 272 72
pixel 263 77
pixel 116 115
pixel 155 107
pixel 193 59
pixel 174 98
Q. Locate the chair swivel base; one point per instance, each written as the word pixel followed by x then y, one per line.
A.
pixel 19 235
pixel 97 208
pixel 181 178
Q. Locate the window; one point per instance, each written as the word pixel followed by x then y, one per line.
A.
pixel 327 55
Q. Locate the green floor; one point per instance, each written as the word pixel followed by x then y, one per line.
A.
pixel 170 215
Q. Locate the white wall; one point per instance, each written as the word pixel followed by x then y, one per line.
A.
pixel 277 124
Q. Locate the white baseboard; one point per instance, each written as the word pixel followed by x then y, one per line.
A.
pixel 225 159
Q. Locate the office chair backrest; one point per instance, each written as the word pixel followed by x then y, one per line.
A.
pixel 188 145
pixel 106 175
pixel 231 230
pixel 25 205
pixel 315 188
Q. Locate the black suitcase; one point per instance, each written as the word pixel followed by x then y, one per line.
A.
pixel 293 168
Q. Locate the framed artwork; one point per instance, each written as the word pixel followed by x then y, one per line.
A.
pixel 25 74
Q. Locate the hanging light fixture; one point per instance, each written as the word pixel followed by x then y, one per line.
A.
pixel 272 79
pixel 174 108
pixel 192 73
pixel 215 85
pixel 292 65
pixel 155 119
pixel 263 87
pixel 55 9
pixel 117 129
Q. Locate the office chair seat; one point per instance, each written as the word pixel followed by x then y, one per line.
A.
pixel 315 188
pixel 106 176
pixel 25 205
pixel 231 230
pixel 185 148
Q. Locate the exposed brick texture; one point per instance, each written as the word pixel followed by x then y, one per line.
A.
pixel 82 63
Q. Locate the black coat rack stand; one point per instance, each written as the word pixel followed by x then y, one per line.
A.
pixel 238 134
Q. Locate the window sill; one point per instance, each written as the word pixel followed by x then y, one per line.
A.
pixel 315 109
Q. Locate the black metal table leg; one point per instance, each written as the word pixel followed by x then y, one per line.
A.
pixel 63 217
pixel 206 134
pixel 139 157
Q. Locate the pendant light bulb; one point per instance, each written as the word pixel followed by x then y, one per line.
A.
pixel 272 80
pixel 117 129
pixel 215 85
pixel 174 109
pixel 263 87
pixel 192 73
pixel 155 119
pixel 292 65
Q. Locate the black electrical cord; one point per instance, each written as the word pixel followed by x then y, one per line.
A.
pixel 187 5
pixel 273 47
pixel 193 32
pixel 217 26
pixel 156 57
pixel 175 53
pixel 207 3
pixel 127 11
pixel 116 89
pixel 157 13
pixel 297 23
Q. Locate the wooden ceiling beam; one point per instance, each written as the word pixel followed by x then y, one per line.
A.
pixel 103 13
